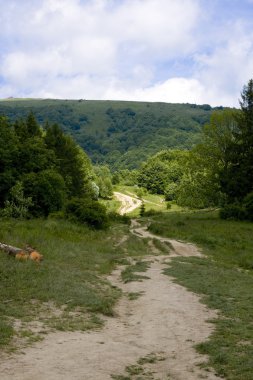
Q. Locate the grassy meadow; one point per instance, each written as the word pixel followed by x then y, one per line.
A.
pixel 68 290
pixel 153 202
pixel 224 279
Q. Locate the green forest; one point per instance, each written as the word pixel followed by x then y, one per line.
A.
pixel 120 134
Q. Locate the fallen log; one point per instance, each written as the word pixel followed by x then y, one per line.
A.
pixel 22 254
pixel 10 249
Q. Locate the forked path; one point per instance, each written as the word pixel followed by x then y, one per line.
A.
pixel 128 203
pixel 166 320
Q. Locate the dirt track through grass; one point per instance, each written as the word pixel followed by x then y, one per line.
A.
pixel 165 320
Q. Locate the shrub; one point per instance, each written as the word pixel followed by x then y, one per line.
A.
pixel 116 217
pixel 142 209
pixel 87 211
pixel 17 205
pixel 233 211
pixel 47 190
pixel 248 204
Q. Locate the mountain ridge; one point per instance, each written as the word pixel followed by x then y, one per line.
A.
pixel 121 134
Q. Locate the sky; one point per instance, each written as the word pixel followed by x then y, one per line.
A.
pixel 174 51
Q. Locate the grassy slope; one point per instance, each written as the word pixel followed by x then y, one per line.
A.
pixel 225 281
pixel 120 139
pixel 153 202
pixel 71 279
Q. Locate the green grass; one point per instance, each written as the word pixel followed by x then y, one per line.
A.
pixel 154 203
pixel 224 279
pixel 139 371
pixel 132 296
pixel 229 242
pixel 131 273
pixel 68 290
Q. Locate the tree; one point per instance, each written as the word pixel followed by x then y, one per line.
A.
pixel 33 128
pixel 8 158
pixel 237 175
pixel 47 191
pixel 72 163
pixel 162 169
pixel 17 206
pixel 103 181
pixel 200 185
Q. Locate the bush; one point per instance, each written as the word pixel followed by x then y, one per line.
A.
pixel 168 205
pixel 115 217
pixel 233 211
pixel 248 204
pixel 153 212
pixel 17 205
pixel 142 209
pixel 87 211
pixel 47 190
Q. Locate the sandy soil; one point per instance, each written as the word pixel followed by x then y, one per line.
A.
pixel 128 203
pixel 166 320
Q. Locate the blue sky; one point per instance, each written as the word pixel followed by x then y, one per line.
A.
pixel 196 51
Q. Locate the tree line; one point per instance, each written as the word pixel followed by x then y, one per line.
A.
pixel 218 172
pixel 43 171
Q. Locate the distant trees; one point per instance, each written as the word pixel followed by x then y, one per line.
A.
pixel 103 179
pixel 201 183
pixel 161 171
pixel 220 169
pixel 217 171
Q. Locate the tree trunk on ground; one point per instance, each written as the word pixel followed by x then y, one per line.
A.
pixel 10 249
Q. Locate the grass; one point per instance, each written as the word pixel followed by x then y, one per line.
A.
pixel 224 279
pixel 153 202
pixel 228 242
pixel 132 296
pixel 68 290
pixel 131 273
pixel 139 371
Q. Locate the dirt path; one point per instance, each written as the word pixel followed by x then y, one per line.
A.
pixel 166 320
pixel 128 203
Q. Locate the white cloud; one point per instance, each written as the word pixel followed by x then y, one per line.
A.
pixel 176 90
pixel 123 49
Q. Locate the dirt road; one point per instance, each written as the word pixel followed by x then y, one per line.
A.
pixel 128 203
pixel 165 321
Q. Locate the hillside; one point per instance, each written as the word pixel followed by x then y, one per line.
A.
pixel 121 134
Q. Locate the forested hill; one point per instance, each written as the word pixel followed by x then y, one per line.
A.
pixel 122 134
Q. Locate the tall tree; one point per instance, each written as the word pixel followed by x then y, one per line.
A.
pixel 73 164
pixel 8 158
pixel 237 176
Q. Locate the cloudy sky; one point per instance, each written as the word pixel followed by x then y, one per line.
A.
pixel 196 51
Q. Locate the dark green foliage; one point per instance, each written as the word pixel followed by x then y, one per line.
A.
pixel 87 211
pixel 47 190
pixel 243 211
pixel 162 172
pixel 17 206
pixel 248 204
pixel 142 209
pixel 120 134
pixel 200 185
pixel 38 170
pixel 103 180
pixel 237 176
pixel 71 162
pixel 233 212
pixel 33 128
